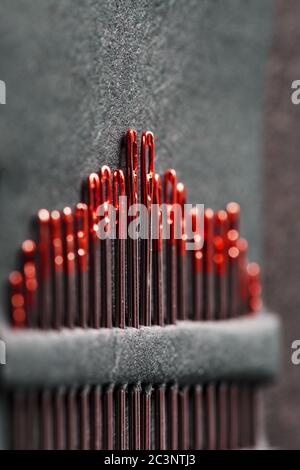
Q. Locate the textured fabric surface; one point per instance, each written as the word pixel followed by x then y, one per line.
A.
pixel 189 352
pixel 281 218
pixel 79 72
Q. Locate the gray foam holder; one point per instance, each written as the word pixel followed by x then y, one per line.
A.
pixel 189 352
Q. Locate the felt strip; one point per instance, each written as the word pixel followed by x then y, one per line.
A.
pixel 189 352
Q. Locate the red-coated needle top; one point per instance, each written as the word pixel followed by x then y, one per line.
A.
pixel 69 239
pixel 94 201
pixel 132 165
pixel 157 199
pixel 181 200
pixel 197 252
pixel 233 210
pixel 119 190
pixel 147 174
pixel 56 238
pixel 81 219
pixel 208 247
pixel 170 198
pixel 17 300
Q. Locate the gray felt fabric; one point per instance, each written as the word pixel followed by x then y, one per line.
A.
pixel 190 352
pixel 79 72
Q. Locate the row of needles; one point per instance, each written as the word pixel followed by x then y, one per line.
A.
pixel 70 277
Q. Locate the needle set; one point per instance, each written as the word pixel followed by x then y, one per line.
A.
pixel 69 277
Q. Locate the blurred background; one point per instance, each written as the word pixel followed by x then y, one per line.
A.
pixel 212 79
pixel 280 220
